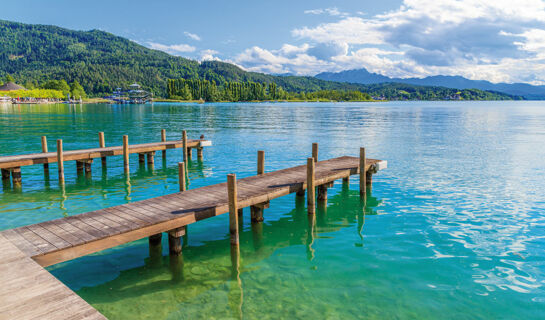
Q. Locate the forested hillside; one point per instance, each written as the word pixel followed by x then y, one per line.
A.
pixel 100 62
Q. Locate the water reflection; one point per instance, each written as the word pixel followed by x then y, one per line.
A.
pixel 218 266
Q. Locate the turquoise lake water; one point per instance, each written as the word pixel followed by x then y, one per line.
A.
pixel 453 229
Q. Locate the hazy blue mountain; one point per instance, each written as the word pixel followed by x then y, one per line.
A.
pixel 365 77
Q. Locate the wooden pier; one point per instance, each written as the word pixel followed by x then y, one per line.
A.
pixel 11 165
pixel 67 238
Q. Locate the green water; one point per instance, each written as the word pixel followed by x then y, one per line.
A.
pixel 453 229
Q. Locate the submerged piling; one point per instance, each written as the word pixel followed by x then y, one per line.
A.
pixel 362 172
pixel 44 150
pixel 311 196
pixel 233 208
pixel 60 161
pixel 126 153
pixel 102 144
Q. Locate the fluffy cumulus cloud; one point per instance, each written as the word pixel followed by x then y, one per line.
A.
pixel 497 40
pixel 175 49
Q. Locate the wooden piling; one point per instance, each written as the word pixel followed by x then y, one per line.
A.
pixel 164 139
pixel 181 176
pixel 126 153
pixel 256 211
pixel 233 208
pixel 199 153
pixel 311 196
pixel 346 180
pixel 102 144
pixel 150 158
pixel 44 150
pixel 16 176
pixel 315 152
pixel 79 167
pixel 362 172
pixel 175 240
pixel 6 175
pixel 87 165
pixel 189 153
pixel 322 193
pixel 141 158
pixel 184 141
pixel 60 161
pixel 155 240
pixel 369 179
pixel 260 162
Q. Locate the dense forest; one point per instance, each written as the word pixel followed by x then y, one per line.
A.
pixel 205 90
pixel 100 62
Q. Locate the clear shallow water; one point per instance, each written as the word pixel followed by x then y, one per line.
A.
pixel 454 228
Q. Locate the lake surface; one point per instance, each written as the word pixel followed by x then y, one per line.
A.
pixel 453 229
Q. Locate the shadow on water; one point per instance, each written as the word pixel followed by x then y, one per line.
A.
pixel 164 282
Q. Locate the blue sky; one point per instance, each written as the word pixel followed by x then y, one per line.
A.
pixel 490 40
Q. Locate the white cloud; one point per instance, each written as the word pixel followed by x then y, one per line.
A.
pixel 175 49
pixel 494 40
pixel 333 11
pixel 192 36
pixel 209 54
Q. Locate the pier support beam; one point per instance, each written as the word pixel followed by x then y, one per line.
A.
pixel 16 176
pixel 60 161
pixel 6 174
pixel 164 139
pixel 233 209
pixel 260 162
pixel 126 154
pixel 44 150
pixel 363 175
pixel 102 144
pixel 369 179
pixel 322 192
pixel 150 159
pixel 311 196
pixel 199 154
pixel 346 180
pixel 141 159
pixel 184 142
pixel 181 176
pixel 175 240
pixel 256 211
pixel 189 153
pixel 155 249
pixel 315 152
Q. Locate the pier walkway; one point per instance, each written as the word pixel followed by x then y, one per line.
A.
pixel 63 239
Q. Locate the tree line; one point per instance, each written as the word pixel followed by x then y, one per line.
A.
pixel 197 89
pixel 57 89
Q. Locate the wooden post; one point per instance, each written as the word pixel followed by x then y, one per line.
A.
pixel 44 150
pixel 184 140
pixel 175 241
pixel 155 250
pixel 199 153
pixel 150 159
pixel 300 193
pixel 233 208
pixel 310 187
pixel 88 164
pixel 189 153
pixel 369 179
pixel 164 139
pixel 322 193
pixel 256 211
pixel 16 176
pixel 362 172
pixel 141 158
pixel 346 180
pixel 260 162
pixel 79 167
pixel 6 174
pixel 126 153
pixel 60 161
pixel 102 144
pixel 181 176
pixel 315 152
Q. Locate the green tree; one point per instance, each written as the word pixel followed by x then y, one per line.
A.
pixel 60 85
pixel 9 78
pixel 76 90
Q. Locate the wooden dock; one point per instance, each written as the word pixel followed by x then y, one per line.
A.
pixel 11 165
pixel 67 238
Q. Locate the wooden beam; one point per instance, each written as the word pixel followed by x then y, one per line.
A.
pixel 164 139
pixel 260 162
pixel 16 176
pixel 362 172
pixel 102 144
pixel 199 153
pixel 151 161
pixel 311 187
pixel 181 176
pixel 184 141
pixel 322 193
pixel 126 153
pixel 44 150
pixel 315 151
pixel 233 208
pixel 60 161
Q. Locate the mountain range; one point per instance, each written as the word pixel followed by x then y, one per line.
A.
pixel 365 77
